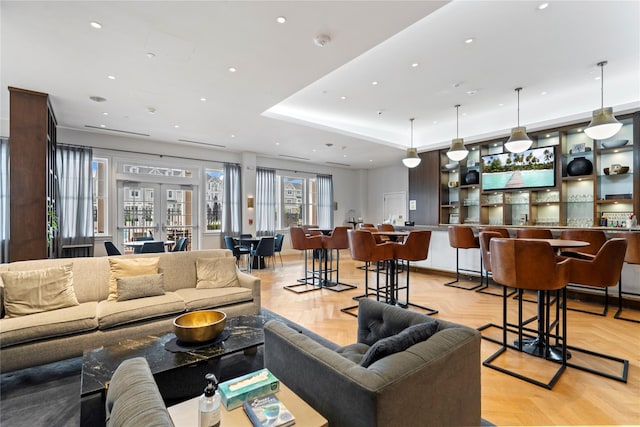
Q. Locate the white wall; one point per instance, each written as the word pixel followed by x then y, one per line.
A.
pixel 390 179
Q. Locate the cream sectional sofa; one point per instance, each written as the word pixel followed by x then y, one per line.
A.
pixel 39 338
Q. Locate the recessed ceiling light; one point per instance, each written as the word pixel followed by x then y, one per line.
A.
pixel 370 160
pixel 97 98
pixel 543 6
pixel 548 135
pixel 374 83
pixel 151 110
pixel 344 155
pixel 543 93
pixel 435 122
pixel 495 145
pixel 415 64
pixel 176 126
pixel 203 99
pixel 96 25
pixel 281 19
pixel 151 55
pixel 111 77
pixel 313 150
pixel 105 114
pixel 500 105
pixel 343 97
pixel 103 126
pixel 233 69
pixel 580 130
pixel 597 78
pixel 277 143
pixel 469 40
pixel 472 92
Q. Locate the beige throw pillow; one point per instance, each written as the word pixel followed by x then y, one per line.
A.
pixel 216 272
pixel 151 285
pixel 35 291
pixel 129 267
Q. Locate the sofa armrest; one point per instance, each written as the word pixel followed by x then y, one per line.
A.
pixel 441 376
pixel 133 398
pixel 251 282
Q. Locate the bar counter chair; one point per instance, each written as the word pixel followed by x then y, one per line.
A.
pixel 603 271
pixel 301 242
pixel 530 265
pixel 632 256
pixel 503 232
pixel 363 247
pixel 596 239
pixel 337 240
pixel 485 239
pixel 111 249
pixel 414 248
pixel 265 249
pixel 462 237
pixel 533 233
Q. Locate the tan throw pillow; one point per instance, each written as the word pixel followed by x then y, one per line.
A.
pixel 216 272
pixel 129 267
pixel 151 285
pixel 35 291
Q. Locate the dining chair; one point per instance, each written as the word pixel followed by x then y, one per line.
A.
pixel 111 249
pixel 632 256
pixel 534 233
pixel 237 250
pixel 531 265
pixel 278 246
pixel 181 245
pixel 152 247
pixel 265 248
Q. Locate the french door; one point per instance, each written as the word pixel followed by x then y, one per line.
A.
pixel 162 211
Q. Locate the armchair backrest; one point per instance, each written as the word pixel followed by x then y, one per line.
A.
pixel 596 239
pixel 462 237
pixel 605 269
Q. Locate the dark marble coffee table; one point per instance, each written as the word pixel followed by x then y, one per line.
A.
pixel 98 365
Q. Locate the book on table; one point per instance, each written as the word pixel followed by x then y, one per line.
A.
pixel 268 411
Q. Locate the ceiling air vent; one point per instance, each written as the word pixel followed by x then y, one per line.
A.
pixel 294 157
pixel 116 130
pixel 202 143
pixel 337 164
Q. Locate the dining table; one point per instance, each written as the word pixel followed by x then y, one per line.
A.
pixel 535 346
pixel 252 243
pixel 138 244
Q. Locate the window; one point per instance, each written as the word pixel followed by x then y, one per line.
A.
pixel 214 197
pixel 298 202
pixel 100 199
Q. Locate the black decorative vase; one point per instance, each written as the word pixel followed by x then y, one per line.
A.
pixel 579 166
pixel 471 177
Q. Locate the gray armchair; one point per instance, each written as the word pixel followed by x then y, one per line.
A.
pixel 432 383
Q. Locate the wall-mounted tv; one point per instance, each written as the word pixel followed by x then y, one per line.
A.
pixel 529 169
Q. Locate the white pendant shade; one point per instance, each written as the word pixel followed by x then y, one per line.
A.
pixel 519 140
pixel 411 160
pixel 457 151
pixel 603 124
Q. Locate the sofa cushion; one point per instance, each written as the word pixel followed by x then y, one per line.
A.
pixel 48 324
pixel 399 342
pixel 133 398
pixel 197 299
pixel 354 352
pixel 216 273
pixel 35 291
pixel 116 313
pixel 150 285
pixel 128 267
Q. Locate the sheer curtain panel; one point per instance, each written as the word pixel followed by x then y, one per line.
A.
pixel 74 204
pixel 325 201
pixel 4 200
pixel 232 202
pixel 265 202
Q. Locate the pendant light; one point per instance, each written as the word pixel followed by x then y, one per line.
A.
pixel 519 140
pixel 603 124
pixel 457 151
pixel 411 160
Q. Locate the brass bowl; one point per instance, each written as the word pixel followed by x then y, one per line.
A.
pixel 199 326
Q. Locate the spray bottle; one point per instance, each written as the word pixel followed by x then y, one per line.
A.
pixel 209 404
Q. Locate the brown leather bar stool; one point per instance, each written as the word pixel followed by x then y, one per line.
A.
pixel 461 237
pixel 363 247
pixel 632 256
pixel 301 242
pixel 534 233
pixel 504 233
pixel 337 240
pixel 596 239
pixel 484 238
pixel 414 248
pixel 603 271
pixel 531 265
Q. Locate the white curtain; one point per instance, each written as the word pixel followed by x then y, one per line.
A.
pixel 74 202
pixel 4 200
pixel 265 202
pixel 232 201
pixel 325 200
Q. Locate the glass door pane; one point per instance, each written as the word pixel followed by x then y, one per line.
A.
pixel 137 212
pixel 179 208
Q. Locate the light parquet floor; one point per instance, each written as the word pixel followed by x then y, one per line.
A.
pixel 579 398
